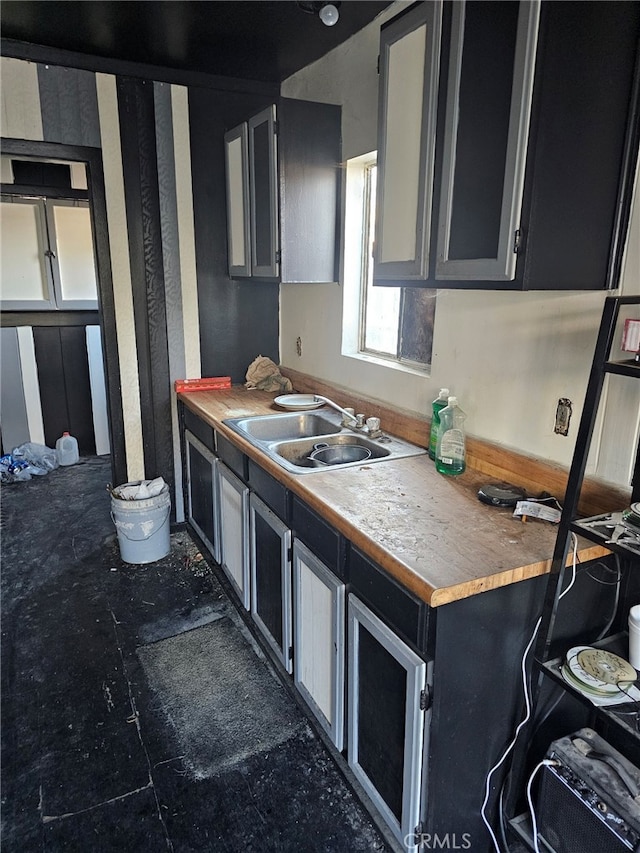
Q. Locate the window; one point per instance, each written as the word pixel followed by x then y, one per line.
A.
pixel 394 323
pixel 46 255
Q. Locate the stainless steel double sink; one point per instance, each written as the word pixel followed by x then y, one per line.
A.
pixel 289 438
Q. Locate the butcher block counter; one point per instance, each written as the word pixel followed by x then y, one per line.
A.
pixel 428 531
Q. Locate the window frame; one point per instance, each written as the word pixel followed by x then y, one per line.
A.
pixel 367 252
pixel 48 251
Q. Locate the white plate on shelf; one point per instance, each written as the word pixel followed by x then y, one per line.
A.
pixel 297 402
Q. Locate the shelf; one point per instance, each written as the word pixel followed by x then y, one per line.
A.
pixel 618 714
pixel 627 367
pixel 600 529
pixel 521 827
pixel 613 533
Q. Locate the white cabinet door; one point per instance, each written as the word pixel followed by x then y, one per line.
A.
pixel 409 68
pixel 387 719
pixel 271 579
pixel 318 640
pixel 234 531
pixel 236 143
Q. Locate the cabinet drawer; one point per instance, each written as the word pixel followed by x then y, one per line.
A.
pixel 405 613
pixel 231 456
pixel 273 493
pixel 202 430
pixel 325 542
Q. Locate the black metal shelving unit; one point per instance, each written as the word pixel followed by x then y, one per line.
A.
pixel 602 530
pixel 570 521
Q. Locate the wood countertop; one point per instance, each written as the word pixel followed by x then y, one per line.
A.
pixel 430 532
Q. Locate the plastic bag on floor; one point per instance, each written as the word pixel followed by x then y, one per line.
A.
pixel 25 461
pixel 39 457
pixel 14 470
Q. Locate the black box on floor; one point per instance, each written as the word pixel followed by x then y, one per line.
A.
pixel 590 801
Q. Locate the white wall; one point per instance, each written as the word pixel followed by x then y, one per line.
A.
pixel 508 357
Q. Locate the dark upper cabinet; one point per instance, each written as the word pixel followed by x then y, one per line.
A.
pixel 283 193
pixel 503 144
pixel 580 173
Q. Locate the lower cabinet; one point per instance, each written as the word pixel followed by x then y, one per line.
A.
pixel 379 644
pixel 202 499
pixel 271 579
pixel 234 531
pixel 319 640
pixel 388 702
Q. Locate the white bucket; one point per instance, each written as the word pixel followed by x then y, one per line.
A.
pixel 143 527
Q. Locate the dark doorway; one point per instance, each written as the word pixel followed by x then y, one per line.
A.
pixel 92 160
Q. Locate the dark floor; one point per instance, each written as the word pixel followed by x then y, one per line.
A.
pixel 116 732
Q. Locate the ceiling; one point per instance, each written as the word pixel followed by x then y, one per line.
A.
pixel 260 40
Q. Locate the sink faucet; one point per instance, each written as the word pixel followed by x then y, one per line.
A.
pixel 357 422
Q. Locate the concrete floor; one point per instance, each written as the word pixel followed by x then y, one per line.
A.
pixel 105 741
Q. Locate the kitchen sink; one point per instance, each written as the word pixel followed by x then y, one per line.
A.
pixel 286 426
pixel 298 452
pixel 290 438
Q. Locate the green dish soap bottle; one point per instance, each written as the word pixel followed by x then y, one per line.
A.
pixel 450 447
pixel 436 407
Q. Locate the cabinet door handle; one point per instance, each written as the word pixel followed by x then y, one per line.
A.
pixel 517 241
pixel 426 698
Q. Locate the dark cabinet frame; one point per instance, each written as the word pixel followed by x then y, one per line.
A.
pixel 279 606
pixel 581 156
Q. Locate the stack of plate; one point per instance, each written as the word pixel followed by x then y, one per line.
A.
pixel 297 402
pixel 597 673
pixel 631 519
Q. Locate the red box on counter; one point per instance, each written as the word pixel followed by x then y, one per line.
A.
pixel 211 383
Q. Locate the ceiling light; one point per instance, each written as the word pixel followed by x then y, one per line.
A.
pixel 327 12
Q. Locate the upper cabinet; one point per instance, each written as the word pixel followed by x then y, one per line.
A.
pixel 503 153
pixel 409 69
pixel 488 106
pixel 283 193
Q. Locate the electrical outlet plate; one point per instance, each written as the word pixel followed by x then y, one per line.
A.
pixel 563 416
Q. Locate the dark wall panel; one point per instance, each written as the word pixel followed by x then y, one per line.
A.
pixel 238 320
pixel 578 130
pixel 139 160
pixel 73 342
pixel 53 397
pixel 65 389
pixel 69 104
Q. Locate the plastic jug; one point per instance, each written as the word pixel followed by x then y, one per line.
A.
pixel 450 449
pixel 67 449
